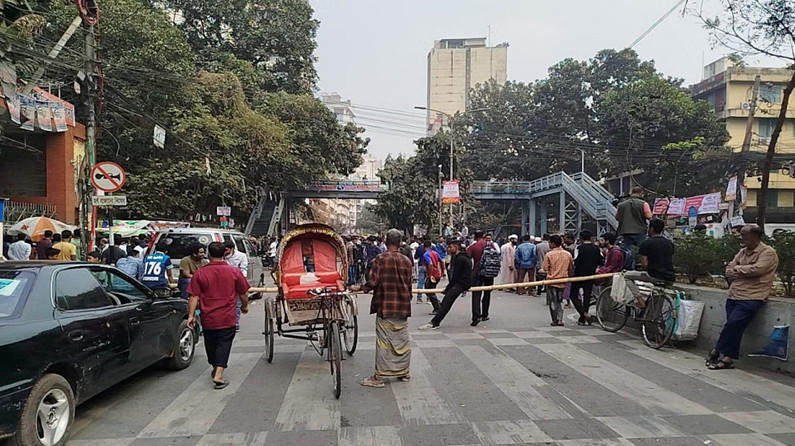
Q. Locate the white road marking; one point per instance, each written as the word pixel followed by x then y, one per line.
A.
pixel 309 403
pixel 418 401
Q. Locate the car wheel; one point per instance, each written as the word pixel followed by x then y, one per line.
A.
pixel 48 414
pixel 184 348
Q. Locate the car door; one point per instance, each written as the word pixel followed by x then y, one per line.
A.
pixel 150 323
pixel 254 262
pixel 95 326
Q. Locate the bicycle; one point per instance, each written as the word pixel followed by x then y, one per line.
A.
pixel 657 317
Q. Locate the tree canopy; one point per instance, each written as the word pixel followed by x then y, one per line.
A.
pixel 230 80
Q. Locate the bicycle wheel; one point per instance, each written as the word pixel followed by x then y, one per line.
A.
pixel 658 320
pixel 268 339
pixel 335 357
pixel 612 315
pixel 351 333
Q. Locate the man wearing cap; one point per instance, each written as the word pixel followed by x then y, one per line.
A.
pixel 460 280
pixel 508 268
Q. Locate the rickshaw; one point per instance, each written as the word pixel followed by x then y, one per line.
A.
pixel 312 302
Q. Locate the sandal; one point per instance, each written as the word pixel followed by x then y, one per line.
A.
pixel 370 381
pixel 404 378
pixel 712 358
pixel 721 365
pixel 220 385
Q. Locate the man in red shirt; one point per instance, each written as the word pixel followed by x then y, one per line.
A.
pixel 215 289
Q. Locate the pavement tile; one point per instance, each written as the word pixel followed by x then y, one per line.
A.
pixel 491 335
pixel 765 422
pixel 533 334
pixel 576 429
pixel 481 342
pixel 439 434
pixel 595 442
pixel 508 341
pixel 235 439
pixel 641 427
pixel 166 441
pixel 462 336
pixel 745 440
pixel 434 343
pixel 704 425
pixel 668 441
pixel 509 432
pixel 584 339
pixel 543 341
pixel 104 442
pixel 314 438
pixel 370 436
pixel 788 438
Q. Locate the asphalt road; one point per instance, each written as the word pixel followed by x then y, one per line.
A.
pixel 511 380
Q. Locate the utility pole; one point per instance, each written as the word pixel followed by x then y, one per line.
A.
pixel 88 211
pixel 749 127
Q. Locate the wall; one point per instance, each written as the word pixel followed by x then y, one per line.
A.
pixel 777 311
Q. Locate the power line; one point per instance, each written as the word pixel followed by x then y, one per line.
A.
pixel 654 25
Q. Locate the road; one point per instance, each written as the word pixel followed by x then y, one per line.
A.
pixel 511 380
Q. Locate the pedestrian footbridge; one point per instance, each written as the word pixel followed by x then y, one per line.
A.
pixel 578 195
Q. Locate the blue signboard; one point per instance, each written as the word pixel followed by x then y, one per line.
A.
pixel 692 212
pixel 2 209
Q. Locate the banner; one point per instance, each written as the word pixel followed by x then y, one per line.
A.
pixel 59 116
pixel 677 207
pixel 731 189
pixel 451 193
pixel 660 206
pixel 44 115
pixel 27 111
pixel 710 204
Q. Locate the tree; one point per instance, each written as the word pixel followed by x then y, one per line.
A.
pixel 277 37
pixel 760 27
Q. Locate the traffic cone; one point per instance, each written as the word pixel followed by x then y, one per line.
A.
pixel 777 347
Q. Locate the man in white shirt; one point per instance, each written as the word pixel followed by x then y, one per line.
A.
pixel 272 252
pixel 240 261
pixel 20 249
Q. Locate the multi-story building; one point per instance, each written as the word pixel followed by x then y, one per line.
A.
pixel 455 67
pixel 729 88
pixel 343 110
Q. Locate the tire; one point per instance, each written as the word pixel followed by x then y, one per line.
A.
pixel 335 358
pixel 612 315
pixel 268 339
pixel 658 320
pixel 350 335
pixel 184 348
pixel 52 395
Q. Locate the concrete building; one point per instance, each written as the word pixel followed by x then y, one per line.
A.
pixel 343 110
pixel 729 89
pixel 455 67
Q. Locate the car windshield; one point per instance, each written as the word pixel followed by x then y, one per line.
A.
pixel 14 286
pixel 179 245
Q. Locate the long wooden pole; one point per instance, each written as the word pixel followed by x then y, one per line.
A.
pixel 484 288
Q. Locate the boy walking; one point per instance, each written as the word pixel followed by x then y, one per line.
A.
pixel 557 263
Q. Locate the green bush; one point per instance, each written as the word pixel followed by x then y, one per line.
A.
pixel 784 244
pixel 694 255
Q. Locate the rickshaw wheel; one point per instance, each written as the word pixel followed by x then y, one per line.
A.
pixel 335 358
pixel 269 339
pixel 351 333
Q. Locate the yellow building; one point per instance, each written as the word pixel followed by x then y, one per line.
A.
pixel 729 88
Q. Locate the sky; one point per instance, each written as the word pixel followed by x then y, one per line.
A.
pixel 374 52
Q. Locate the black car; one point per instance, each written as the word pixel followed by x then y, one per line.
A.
pixel 71 330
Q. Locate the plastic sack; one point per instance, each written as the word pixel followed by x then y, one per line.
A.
pixel 688 319
pixel 777 347
pixel 620 291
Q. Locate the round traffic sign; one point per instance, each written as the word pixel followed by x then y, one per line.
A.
pixel 108 177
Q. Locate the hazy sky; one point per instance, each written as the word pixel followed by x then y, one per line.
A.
pixel 374 52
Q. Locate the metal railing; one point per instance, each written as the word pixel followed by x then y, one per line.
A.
pixel 16 211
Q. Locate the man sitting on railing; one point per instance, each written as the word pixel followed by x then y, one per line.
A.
pixel 657 260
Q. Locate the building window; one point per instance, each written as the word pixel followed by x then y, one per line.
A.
pixel 766 127
pixel 770 93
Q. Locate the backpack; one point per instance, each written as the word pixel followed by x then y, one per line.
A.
pixel 490 261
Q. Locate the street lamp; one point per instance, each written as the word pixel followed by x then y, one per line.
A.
pixel 441 175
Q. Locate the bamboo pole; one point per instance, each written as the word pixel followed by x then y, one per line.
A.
pixel 484 288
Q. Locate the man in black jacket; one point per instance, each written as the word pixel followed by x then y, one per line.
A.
pixel 587 258
pixel 460 277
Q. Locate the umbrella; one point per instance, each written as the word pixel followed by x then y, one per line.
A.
pixel 34 227
pixel 127 228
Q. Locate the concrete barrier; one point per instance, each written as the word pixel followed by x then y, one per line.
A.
pixel 777 311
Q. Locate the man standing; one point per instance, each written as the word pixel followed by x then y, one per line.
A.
pixel 371 252
pixel 632 215
pixel 215 289
pixel 68 250
pixel 434 272
pixel 114 253
pixel 20 249
pixel 508 260
pixel 390 281
pixel 557 263
pixel 460 280
pixel 525 259
pixel 614 257
pixel 750 274
pixel 422 269
pixel 43 245
pixel 240 261
pixel 132 265
pixel 542 248
pixel 483 274
pixel 78 243
pixel 157 271
pixel 188 266
pixel 349 246
pixel 587 258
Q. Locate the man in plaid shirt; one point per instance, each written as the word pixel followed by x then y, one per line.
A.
pixel 390 281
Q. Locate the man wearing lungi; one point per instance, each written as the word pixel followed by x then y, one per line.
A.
pixel 390 281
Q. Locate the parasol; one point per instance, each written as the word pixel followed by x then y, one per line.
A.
pixel 34 227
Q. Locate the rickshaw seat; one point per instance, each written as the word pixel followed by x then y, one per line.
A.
pixel 294 289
